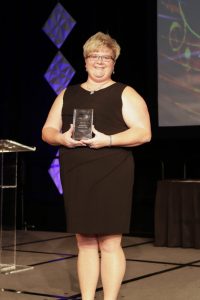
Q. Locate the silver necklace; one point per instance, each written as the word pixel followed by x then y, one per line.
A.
pixel 95 90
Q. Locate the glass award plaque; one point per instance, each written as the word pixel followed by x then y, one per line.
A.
pixel 82 122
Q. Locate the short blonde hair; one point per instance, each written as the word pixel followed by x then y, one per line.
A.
pixel 98 40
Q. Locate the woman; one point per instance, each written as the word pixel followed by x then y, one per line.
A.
pixel 97 173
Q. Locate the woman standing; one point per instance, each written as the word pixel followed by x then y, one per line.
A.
pixel 97 174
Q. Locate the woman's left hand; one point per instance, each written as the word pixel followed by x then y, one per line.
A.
pixel 100 140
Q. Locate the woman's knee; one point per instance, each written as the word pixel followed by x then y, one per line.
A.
pixel 86 241
pixel 110 244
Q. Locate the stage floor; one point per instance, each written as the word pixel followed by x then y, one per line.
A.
pixel 153 273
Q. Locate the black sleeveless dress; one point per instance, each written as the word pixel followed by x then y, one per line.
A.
pixel 97 183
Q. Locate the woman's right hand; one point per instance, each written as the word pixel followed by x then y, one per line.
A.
pixel 67 140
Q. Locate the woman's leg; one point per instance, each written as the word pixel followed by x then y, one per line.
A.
pixel 88 265
pixel 113 265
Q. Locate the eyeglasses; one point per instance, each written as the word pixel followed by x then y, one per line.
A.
pixel 104 58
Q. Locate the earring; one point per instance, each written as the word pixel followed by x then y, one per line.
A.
pixel 113 72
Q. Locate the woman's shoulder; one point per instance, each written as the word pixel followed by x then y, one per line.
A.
pixel 71 89
pixel 128 88
pixel 120 86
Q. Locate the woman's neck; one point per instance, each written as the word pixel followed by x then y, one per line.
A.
pixel 92 86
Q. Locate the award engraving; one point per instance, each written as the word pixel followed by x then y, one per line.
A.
pixel 82 122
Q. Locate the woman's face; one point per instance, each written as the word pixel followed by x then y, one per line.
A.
pixel 100 64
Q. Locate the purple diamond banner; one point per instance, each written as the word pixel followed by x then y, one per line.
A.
pixel 59 73
pixel 58 25
pixel 54 172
